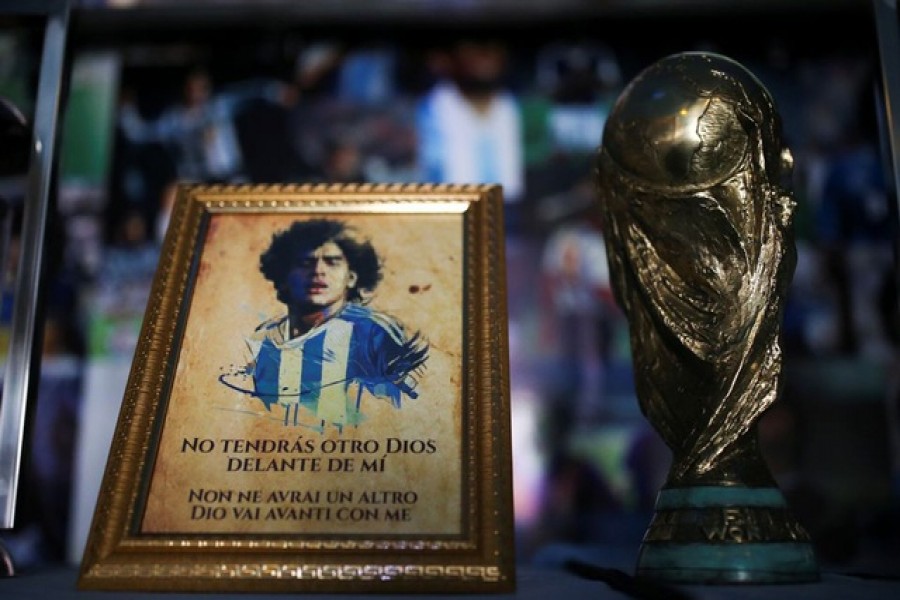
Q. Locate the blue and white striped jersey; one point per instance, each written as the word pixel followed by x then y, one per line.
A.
pixel 356 346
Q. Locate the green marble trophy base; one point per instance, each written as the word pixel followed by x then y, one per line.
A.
pixel 725 534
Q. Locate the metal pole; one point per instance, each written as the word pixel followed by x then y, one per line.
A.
pixel 18 374
pixel 888 29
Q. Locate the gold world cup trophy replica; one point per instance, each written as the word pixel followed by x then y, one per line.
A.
pixel 693 182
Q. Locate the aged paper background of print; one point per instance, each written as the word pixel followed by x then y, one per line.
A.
pixel 398 472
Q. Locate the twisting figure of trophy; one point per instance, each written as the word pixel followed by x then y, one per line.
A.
pixel 693 181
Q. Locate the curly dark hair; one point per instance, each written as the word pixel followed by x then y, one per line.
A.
pixel 302 237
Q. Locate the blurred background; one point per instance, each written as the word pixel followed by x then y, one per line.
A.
pixel 459 91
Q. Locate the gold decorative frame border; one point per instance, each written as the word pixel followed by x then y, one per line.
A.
pixel 116 558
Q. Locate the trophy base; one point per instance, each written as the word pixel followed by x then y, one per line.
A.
pixel 725 534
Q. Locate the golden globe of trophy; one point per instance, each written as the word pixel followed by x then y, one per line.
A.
pixel 693 182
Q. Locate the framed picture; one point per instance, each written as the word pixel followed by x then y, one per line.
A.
pixel 319 399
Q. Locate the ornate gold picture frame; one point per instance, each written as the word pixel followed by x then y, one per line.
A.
pixel 319 400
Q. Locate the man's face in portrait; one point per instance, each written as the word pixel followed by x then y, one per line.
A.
pixel 321 278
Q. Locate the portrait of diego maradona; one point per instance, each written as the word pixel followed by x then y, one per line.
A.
pixel 314 360
pixel 314 344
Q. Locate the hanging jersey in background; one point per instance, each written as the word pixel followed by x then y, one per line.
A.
pixel 457 144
